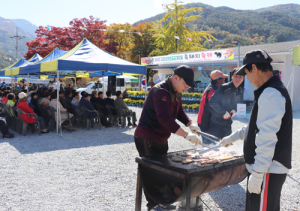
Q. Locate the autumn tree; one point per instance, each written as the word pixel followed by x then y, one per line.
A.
pixel 122 38
pixel 143 41
pixel 66 38
pixel 172 34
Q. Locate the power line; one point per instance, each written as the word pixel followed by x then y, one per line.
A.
pixel 17 39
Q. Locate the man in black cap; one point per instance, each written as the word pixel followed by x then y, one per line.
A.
pixel 268 135
pixel 158 119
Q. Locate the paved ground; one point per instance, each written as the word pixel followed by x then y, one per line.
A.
pixel 95 170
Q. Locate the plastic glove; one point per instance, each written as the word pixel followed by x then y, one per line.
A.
pixel 194 128
pixel 226 141
pixel 226 115
pixel 232 113
pixel 193 138
pixel 255 181
pixel 238 135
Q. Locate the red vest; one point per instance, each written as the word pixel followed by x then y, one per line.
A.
pixel 25 107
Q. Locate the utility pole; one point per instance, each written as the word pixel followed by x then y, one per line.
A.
pixel 17 39
pixel 238 64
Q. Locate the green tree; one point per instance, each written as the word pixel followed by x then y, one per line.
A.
pixel 206 44
pixel 174 24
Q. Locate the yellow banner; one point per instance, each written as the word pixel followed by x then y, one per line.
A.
pixel 43 76
pixel 296 55
pixel 81 74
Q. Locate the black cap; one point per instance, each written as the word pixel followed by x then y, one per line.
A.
pixel 185 72
pixel 254 57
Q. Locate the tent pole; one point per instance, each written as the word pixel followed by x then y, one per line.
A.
pixel 75 82
pixel 57 107
pixel 103 82
pixel 146 86
pixel 12 83
pixel 140 83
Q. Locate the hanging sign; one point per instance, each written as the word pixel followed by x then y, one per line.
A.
pixel 186 58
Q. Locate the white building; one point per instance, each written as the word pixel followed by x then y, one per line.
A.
pixel 281 53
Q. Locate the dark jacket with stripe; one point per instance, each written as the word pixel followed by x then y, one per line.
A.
pixel 161 109
pixel 224 99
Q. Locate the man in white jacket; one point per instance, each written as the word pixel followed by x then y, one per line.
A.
pixel 268 135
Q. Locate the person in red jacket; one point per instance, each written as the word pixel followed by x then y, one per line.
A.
pixel 23 105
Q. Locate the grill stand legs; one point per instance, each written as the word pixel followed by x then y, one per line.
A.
pixel 188 194
pixel 138 197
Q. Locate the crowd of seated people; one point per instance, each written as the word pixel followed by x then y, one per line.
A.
pixel 31 99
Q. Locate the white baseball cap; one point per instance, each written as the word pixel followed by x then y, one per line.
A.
pixel 22 95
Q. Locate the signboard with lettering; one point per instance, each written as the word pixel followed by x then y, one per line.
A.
pixel 36 81
pixel 186 58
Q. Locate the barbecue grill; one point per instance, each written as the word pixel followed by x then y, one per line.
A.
pixel 167 182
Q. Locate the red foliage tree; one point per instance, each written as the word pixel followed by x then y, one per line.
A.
pixel 67 38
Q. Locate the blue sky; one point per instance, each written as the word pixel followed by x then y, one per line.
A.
pixel 60 12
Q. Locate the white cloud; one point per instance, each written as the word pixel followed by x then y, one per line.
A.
pixel 157 3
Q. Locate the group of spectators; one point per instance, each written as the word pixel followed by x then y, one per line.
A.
pixel 105 106
pixel 32 101
pixel 219 104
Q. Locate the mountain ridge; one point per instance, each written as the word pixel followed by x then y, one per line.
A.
pixel 7 40
pixel 249 27
pixel 25 25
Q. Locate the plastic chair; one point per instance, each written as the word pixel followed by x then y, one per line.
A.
pixel 17 123
pixel 12 117
pixel 45 114
pixel 1 106
pixel 7 115
pixel 24 125
pixel 123 117
pixel 111 115
pixel 78 118
pixel 53 125
pixel 100 109
pixel 90 121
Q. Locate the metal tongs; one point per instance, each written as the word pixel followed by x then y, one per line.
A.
pixel 211 138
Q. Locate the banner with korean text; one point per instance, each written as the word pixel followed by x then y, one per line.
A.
pixel 186 58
